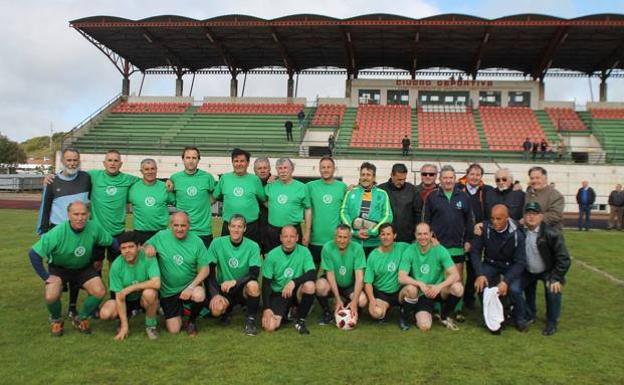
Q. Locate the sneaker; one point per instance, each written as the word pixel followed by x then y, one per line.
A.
pixel 250 327
pixel 522 327
pixel 459 317
pixel 450 324
pixel 301 327
pixel 191 329
pixel 225 319
pixel 82 325
pixel 152 332
pixel 549 330
pixel 326 319
pixel 530 321
pixel 382 321
pixel 56 328
pixel 72 313
pixel 403 324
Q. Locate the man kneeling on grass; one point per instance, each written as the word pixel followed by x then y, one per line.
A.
pixel 134 281
pixel 233 279
pixel 423 269
pixel 68 249
pixel 183 262
pixel 287 279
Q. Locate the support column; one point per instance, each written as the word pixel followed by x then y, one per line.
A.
pixel 290 85
pixel 541 93
pixel 348 85
pixel 179 86
pixel 603 89
pixel 125 86
pixel 233 87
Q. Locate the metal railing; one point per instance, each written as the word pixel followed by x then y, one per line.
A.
pixel 68 137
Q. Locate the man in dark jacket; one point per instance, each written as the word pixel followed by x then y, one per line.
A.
pixel 547 260
pixel 428 176
pixel 405 144
pixel 448 212
pixel 526 147
pixel 585 197
pixel 501 244
pixel 616 208
pixel 472 184
pixel 405 203
pixel 504 194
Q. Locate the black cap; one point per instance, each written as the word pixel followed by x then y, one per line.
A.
pixel 533 207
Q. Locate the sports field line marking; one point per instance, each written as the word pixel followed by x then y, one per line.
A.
pixel 611 278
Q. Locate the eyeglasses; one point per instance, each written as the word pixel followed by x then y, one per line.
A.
pixel 501 180
pixel 427 174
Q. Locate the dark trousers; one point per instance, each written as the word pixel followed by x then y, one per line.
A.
pixel 469 290
pixel 514 291
pixel 289 136
pixel 553 301
pixel 111 252
pixel 251 231
pixel 584 217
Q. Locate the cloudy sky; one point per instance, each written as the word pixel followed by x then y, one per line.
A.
pixel 52 76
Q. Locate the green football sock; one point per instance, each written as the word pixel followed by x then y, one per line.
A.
pixel 54 309
pixel 90 304
pixel 151 322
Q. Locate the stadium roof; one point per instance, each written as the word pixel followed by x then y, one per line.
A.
pixel 529 43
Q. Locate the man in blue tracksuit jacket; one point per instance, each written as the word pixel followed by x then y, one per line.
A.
pixel 498 257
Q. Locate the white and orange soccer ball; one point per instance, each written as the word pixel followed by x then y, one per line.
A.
pixel 344 319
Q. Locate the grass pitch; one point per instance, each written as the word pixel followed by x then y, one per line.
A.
pixel 586 350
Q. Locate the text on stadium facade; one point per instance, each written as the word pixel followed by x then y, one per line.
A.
pixel 445 83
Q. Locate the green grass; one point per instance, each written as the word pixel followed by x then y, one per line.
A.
pixel 587 349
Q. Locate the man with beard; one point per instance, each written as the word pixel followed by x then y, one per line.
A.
pixel 504 194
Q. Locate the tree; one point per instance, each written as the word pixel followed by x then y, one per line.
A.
pixel 10 151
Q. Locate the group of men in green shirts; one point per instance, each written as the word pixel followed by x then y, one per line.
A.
pixel 173 262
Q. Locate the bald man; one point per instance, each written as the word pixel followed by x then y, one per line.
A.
pixel 500 251
pixel 183 261
pixel 68 249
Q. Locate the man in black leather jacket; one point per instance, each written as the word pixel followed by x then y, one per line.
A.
pixel 548 260
pixel 405 202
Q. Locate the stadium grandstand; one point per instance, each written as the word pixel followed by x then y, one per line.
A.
pixel 462 89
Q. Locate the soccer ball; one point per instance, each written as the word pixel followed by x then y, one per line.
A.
pixel 344 320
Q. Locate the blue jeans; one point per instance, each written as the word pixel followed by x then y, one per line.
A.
pixel 514 290
pixel 553 301
pixel 584 211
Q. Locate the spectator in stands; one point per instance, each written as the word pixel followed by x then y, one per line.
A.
pixel 405 202
pixel 561 149
pixel 585 197
pixel 547 260
pixel 428 175
pixel 301 117
pixel 331 144
pixel 505 194
pixel 535 148
pixel 472 184
pixel 500 251
pixel 526 147
pixel 262 169
pixel 543 148
pixel 448 211
pixel 288 125
pixel 405 145
pixel 356 127
pixel 550 200
pixel 68 186
pixel 616 208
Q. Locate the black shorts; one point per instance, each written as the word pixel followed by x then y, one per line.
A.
pixel 110 252
pixel 141 236
pixel 345 292
pixel 235 296
pixel 391 298
pixel 132 306
pixel 459 258
pixel 207 239
pixel 273 235
pixel 252 231
pixel 173 306
pixel 76 277
pixel 315 250
pixel 427 304
pixel 280 305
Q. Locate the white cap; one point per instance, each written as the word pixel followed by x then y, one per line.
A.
pixel 492 309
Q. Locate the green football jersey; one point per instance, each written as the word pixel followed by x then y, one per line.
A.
pixel 325 200
pixel 233 262
pixel 64 247
pixel 282 268
pixel 428 268
pixel 240 195
pixel 287 202
pixel 343 265
pixel 192 195
pixel 382 269
pixel 122 274
pixel 109 195
pixel 149 205
pixel 178 260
